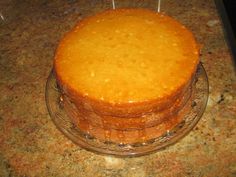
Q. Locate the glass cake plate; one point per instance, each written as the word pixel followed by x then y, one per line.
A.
pixel 63 121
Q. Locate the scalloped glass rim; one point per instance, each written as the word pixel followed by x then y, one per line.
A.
pixel 66 126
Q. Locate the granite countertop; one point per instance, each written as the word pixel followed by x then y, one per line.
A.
pixel 31 145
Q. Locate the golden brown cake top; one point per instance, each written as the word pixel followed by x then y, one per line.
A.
pixel 126 56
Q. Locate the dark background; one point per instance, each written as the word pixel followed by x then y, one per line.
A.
pixel 227 11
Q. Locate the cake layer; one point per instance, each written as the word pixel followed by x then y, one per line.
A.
pixel 126 62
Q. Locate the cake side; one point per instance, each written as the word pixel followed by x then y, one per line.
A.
pixel 129 130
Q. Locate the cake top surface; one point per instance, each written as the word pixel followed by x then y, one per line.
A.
pixel 126 56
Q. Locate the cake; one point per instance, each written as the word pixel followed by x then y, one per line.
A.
pixel 126 74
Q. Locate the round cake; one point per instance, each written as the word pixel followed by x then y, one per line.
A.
pixel 126 74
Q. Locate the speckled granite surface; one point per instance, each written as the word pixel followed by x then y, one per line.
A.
pixel 30 144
